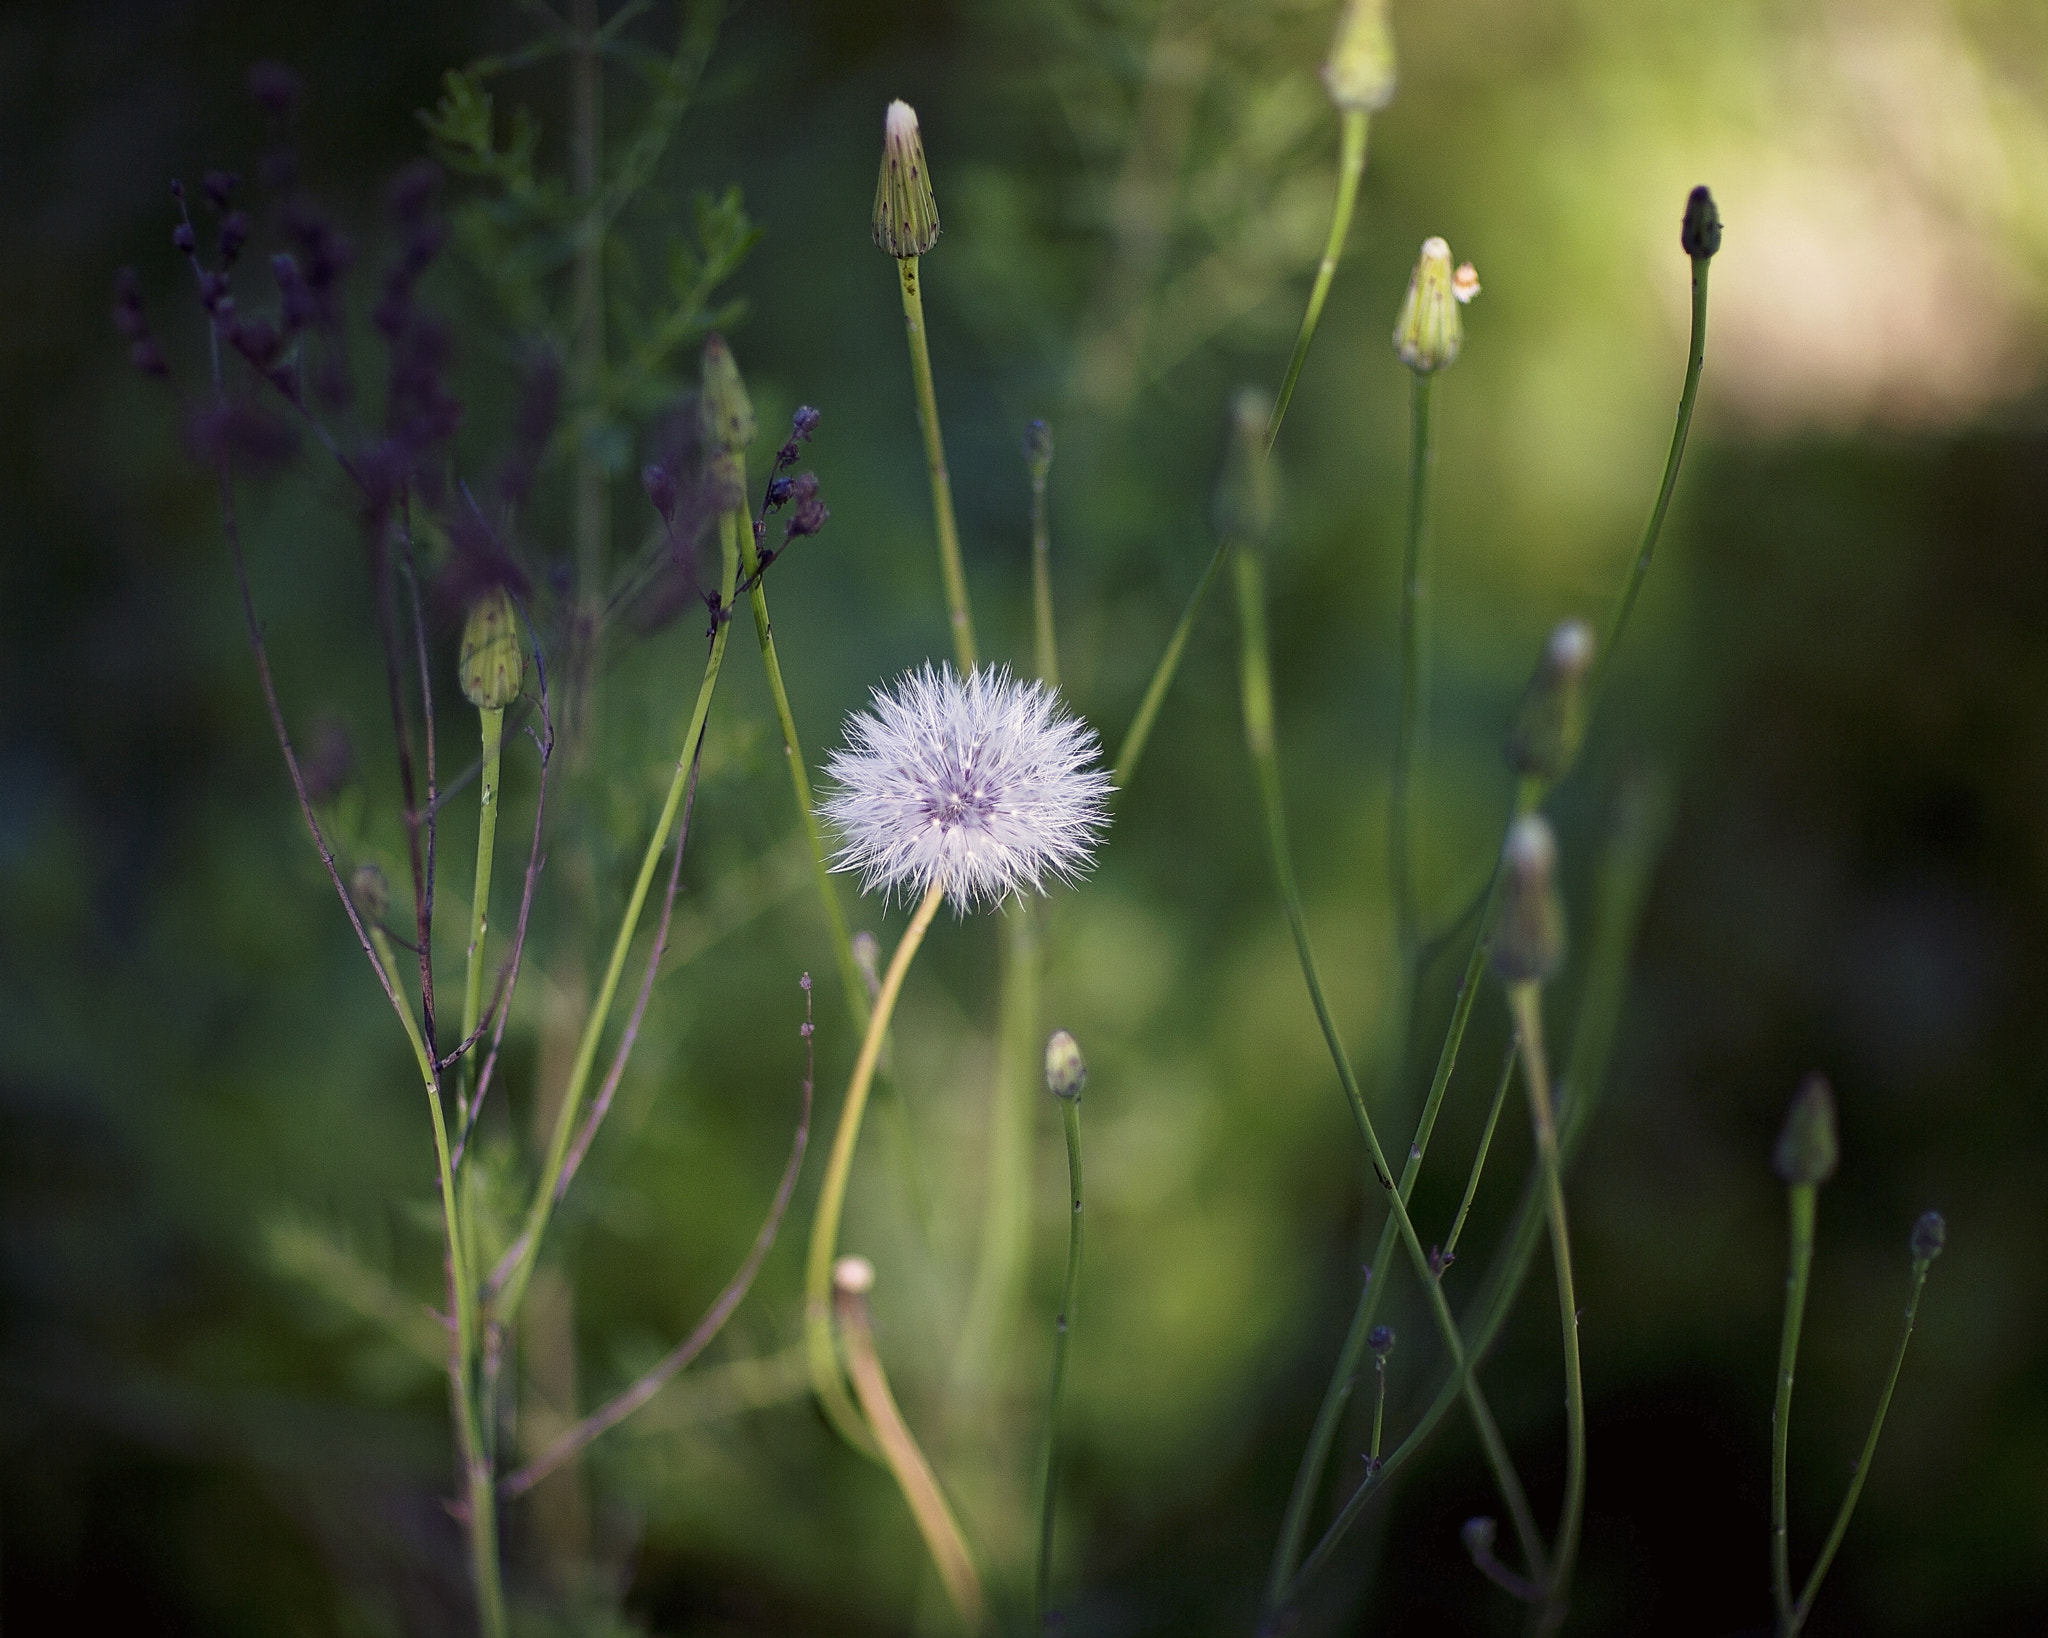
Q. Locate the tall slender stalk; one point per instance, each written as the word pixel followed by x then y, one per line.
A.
pixel 1257 692
pixel 1350 167
pixel 1408 744
pixel 1526 999
pixel 1070 1111
pixel 1045 640
pixel 492 723
pixel 957 609
pixel 1500 1098
pixel 826 1380
pixel 1801 1197
pixel 1163 674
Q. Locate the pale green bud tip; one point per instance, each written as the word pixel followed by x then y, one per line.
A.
pixel 1246 504
pixel 1359 74
pixel 728 413
pixel 371 891
pixel 493 657
pixel 906 214
pixel 853 1276
pixel 1808 1148
pixel 1930 1234
pixel 1066 1071
pixel 1552 718
pixel 1431 329
pixel 1528 945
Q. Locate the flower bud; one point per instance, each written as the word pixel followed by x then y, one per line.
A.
pixel 371 891
pixel 1066 1071
pixel 906 214
pixel 1380 1339
pixel 1528 944
pixel 1808 1149
pixel 1431 329
pixel 1038 451
pixel 1930 1234
pixel 1552 719
pixel 1699 235
pixel 728 413
pixel 853 1276
pixel 1478 1536
pixel 1246 504
pixel 493 658
pixel 1359 73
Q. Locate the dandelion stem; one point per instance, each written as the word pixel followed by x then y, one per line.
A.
pixel 1408 744
pixel 515 1269
pixel 1526 1000
pixel 1804 1607
pixel 1162 676
pixel 1257 691
pixel 1070 1110
pixel 1801 1197
pixel 825 1376
pixel 492 720
pixel 957 608
pixel 1500 1098
pixel 1350 167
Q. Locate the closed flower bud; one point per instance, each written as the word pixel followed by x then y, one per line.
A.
pixel 1431 328
pixel 906 214
pixel 1478 1536
pixel 371 891
pixel 1359 74
pixel 1930 1234
pixel 1246 504
pixel 1528 944
pixel 1066 1072
pixel 1380 1339
pixel 1038 451
pixel 493 658
pixel 853 1276
pixel 1808 1149
pixel 1699 235
pixel 1552 719
pixel 728 413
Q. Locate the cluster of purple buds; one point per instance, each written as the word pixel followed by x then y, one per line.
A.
pixel 133 324
pixel 800 493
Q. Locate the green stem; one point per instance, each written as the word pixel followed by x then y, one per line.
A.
pixel 1046 649
pixel 1526 1000
pixel 1257 690
pixel 935 462
pixel 1884 1403
pixel 1414 675
pixel 1162 677
pixel 1379 1409
pixel 1801 1197
pixel 1500 1098
pixel 1070 1110
pixel 493 725
pixel 826 1380
pixel 1696 355
pixel 1350 166
pixel 516 1269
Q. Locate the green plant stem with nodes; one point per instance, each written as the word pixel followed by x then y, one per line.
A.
pixel 1526 1001
pixel 1329 1416
pixel 1257 691
pixel 1408 744
pixel 1624 879
pixel 957 609
pixel 826 1380
pixel 1804 1607
pixel 1070 1112
pixel 516 1268
pixel 1801 1198
pixel 479 1487
pixel 1350 167
pixel 1140 729
pixel 1500 1098
pixel 492 721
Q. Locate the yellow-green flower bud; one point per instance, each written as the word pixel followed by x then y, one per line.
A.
pixel 371 891
pixel 1807 1149
pixel 728 413
pixel 906 214
pixel 1359 74
pixel 1431 329
pixel 1066 1071
pixel 1552 719
pixel 1528 944
pixel 493 657
pixel 1246 504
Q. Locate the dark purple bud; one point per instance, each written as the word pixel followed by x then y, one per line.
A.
pixel 234 233
pixel 804 423
pixel 778 491
pixel 660 484
pixel 213 291
pixel 177 190
pixel 220 188
pixel 263 440
pixel 183 238
pixel 300 309
pixel 761 538
pixel 258 342
pixel 128 315
pixel 810 518
pixel 275 89
pixel 804 487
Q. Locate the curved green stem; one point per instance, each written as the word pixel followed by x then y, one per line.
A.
pixel 493 727
pixel 516 1268
pixel 1350 166
pixel 1140 729
pixel 1257 690
pixel 826 1380
pixel 1070 1110
pixel 1500 1098
pixel 1801 1198
pixel 1408 744
pixel 1804 1607
pixel 957 609
pixel 1045 644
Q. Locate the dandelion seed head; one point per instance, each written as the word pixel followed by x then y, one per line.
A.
pixel 979 784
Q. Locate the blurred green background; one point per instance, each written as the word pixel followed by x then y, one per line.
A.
pixel 1840 669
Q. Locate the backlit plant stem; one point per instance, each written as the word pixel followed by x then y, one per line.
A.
pixel 1500 1098
pixel 1801 1198
pixel 1350 167
pixel 1140 729
pixel 1408 743
pixel 957 609
pixel 1045 641
pixel 1070 1111
pixel 492 721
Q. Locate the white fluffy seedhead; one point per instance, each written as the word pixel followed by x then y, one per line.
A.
pixel 981 785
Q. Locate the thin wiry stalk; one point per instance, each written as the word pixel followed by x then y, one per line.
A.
pixel 1070 1110
pixel 1350 167
pixel 1163 674
pixel 1801 1198
pixel 491 723
pixel 1500 1098
pixel 958 610
pixel 1045 639
pixel 1408 745
pixel 426 671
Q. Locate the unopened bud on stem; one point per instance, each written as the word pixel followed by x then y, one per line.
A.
pixel 1528 944
pixel 1431 328
pixel 1066 1071
pixel 727 416
pixel 906 214
pixel 1552 718
pixel 853 1276
pixel 1359 74
pixel 493 658
pixel 1930 1234
pixel 371 891
pixel 1038 451
pixel 1699 235
pixel 1380 1339
pixel 1246 504
pixel 1808 1149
